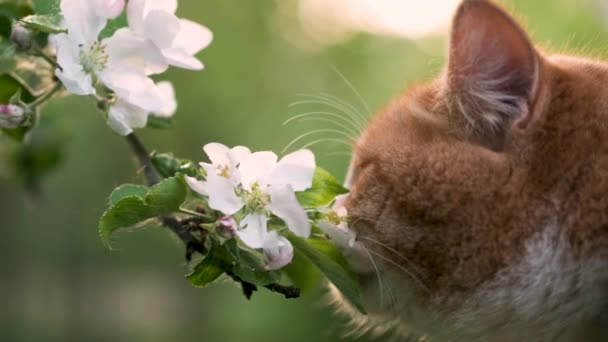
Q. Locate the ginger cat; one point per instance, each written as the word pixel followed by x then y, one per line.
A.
pixel 483 195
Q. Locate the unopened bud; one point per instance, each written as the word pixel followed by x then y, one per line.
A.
pixel 21 36
pixel 11 116
pixel 227 226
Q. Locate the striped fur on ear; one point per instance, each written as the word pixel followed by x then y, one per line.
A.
pixel 492 77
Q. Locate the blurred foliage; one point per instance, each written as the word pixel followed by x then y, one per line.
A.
pixel 60 283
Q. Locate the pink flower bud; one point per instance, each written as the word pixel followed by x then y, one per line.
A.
pixel 11 116
pixel 21 37
pixel 228 226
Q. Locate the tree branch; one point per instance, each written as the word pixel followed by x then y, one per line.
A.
pixel 184 228
pixel 143 156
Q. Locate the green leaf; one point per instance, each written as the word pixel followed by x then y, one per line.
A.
pixel 159 123
pixel 164 198
pixel 11 10
pixel 303 273
pixel 249 266
pixel 44 23
pixel 168 165
pixel 211 267
pixel 325 188
pixel 335 273
pixel 127 190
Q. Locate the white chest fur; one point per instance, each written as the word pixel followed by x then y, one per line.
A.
pixel 548 296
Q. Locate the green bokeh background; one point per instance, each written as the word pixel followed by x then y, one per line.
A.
pixel 59 283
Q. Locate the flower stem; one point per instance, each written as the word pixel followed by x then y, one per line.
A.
pixel 143 156
pixel 38 52
pixel 45 97
pixel 206 218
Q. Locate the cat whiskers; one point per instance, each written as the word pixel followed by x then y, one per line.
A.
pixel 395 252
pixel 403 269
pixel 345 119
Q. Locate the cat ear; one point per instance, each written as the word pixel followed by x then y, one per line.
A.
pixel 492 72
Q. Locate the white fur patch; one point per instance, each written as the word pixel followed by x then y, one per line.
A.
pixel 549 295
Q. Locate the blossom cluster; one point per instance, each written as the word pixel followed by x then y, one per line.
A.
pixel 124 63
pixel 252 188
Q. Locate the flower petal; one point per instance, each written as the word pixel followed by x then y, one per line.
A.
pixel 134 87
pixel 217 153
pixel 256 167
pixel 295 169
pixel 169 6
pixel 197 186
pixel 127 50
pixel 113 8
pixel 221 194
pixel 238 154
pixel 340 205
pixel 182 59
pixel 343 237
pixel 161 27
pixel 83 19
pixel 284 204
pixel 192 37
pixel 135 15
pixel 167 97
pixel 123 117
pixel 277 250
pixel 253 230
pixel 71 73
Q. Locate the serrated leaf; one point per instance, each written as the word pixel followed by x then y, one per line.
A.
pixel 324 190
pixel 215 263
pixel 164 198
pixel 167 195
pixel 44 23
pixel 127 190
pixel 335 273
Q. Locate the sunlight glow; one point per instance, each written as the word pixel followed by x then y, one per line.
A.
pixel 332 21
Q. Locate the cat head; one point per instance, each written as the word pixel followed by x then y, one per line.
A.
pixel 467 188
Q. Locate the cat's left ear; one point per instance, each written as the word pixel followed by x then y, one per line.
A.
pixel 493 72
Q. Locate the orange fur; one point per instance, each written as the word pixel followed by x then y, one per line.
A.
pixel 460 200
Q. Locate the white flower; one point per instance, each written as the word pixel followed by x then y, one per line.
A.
pixel 124 116
pixel 83 59
pixel 335 224
pixel 178 39
pixel 277 250
pixel 222 177
pixel 11 116
pixel 238 179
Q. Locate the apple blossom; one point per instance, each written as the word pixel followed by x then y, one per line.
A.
pixel 124 116
pixel 119 65
pixel 178 39
pixel 258 185
pixel 335 224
